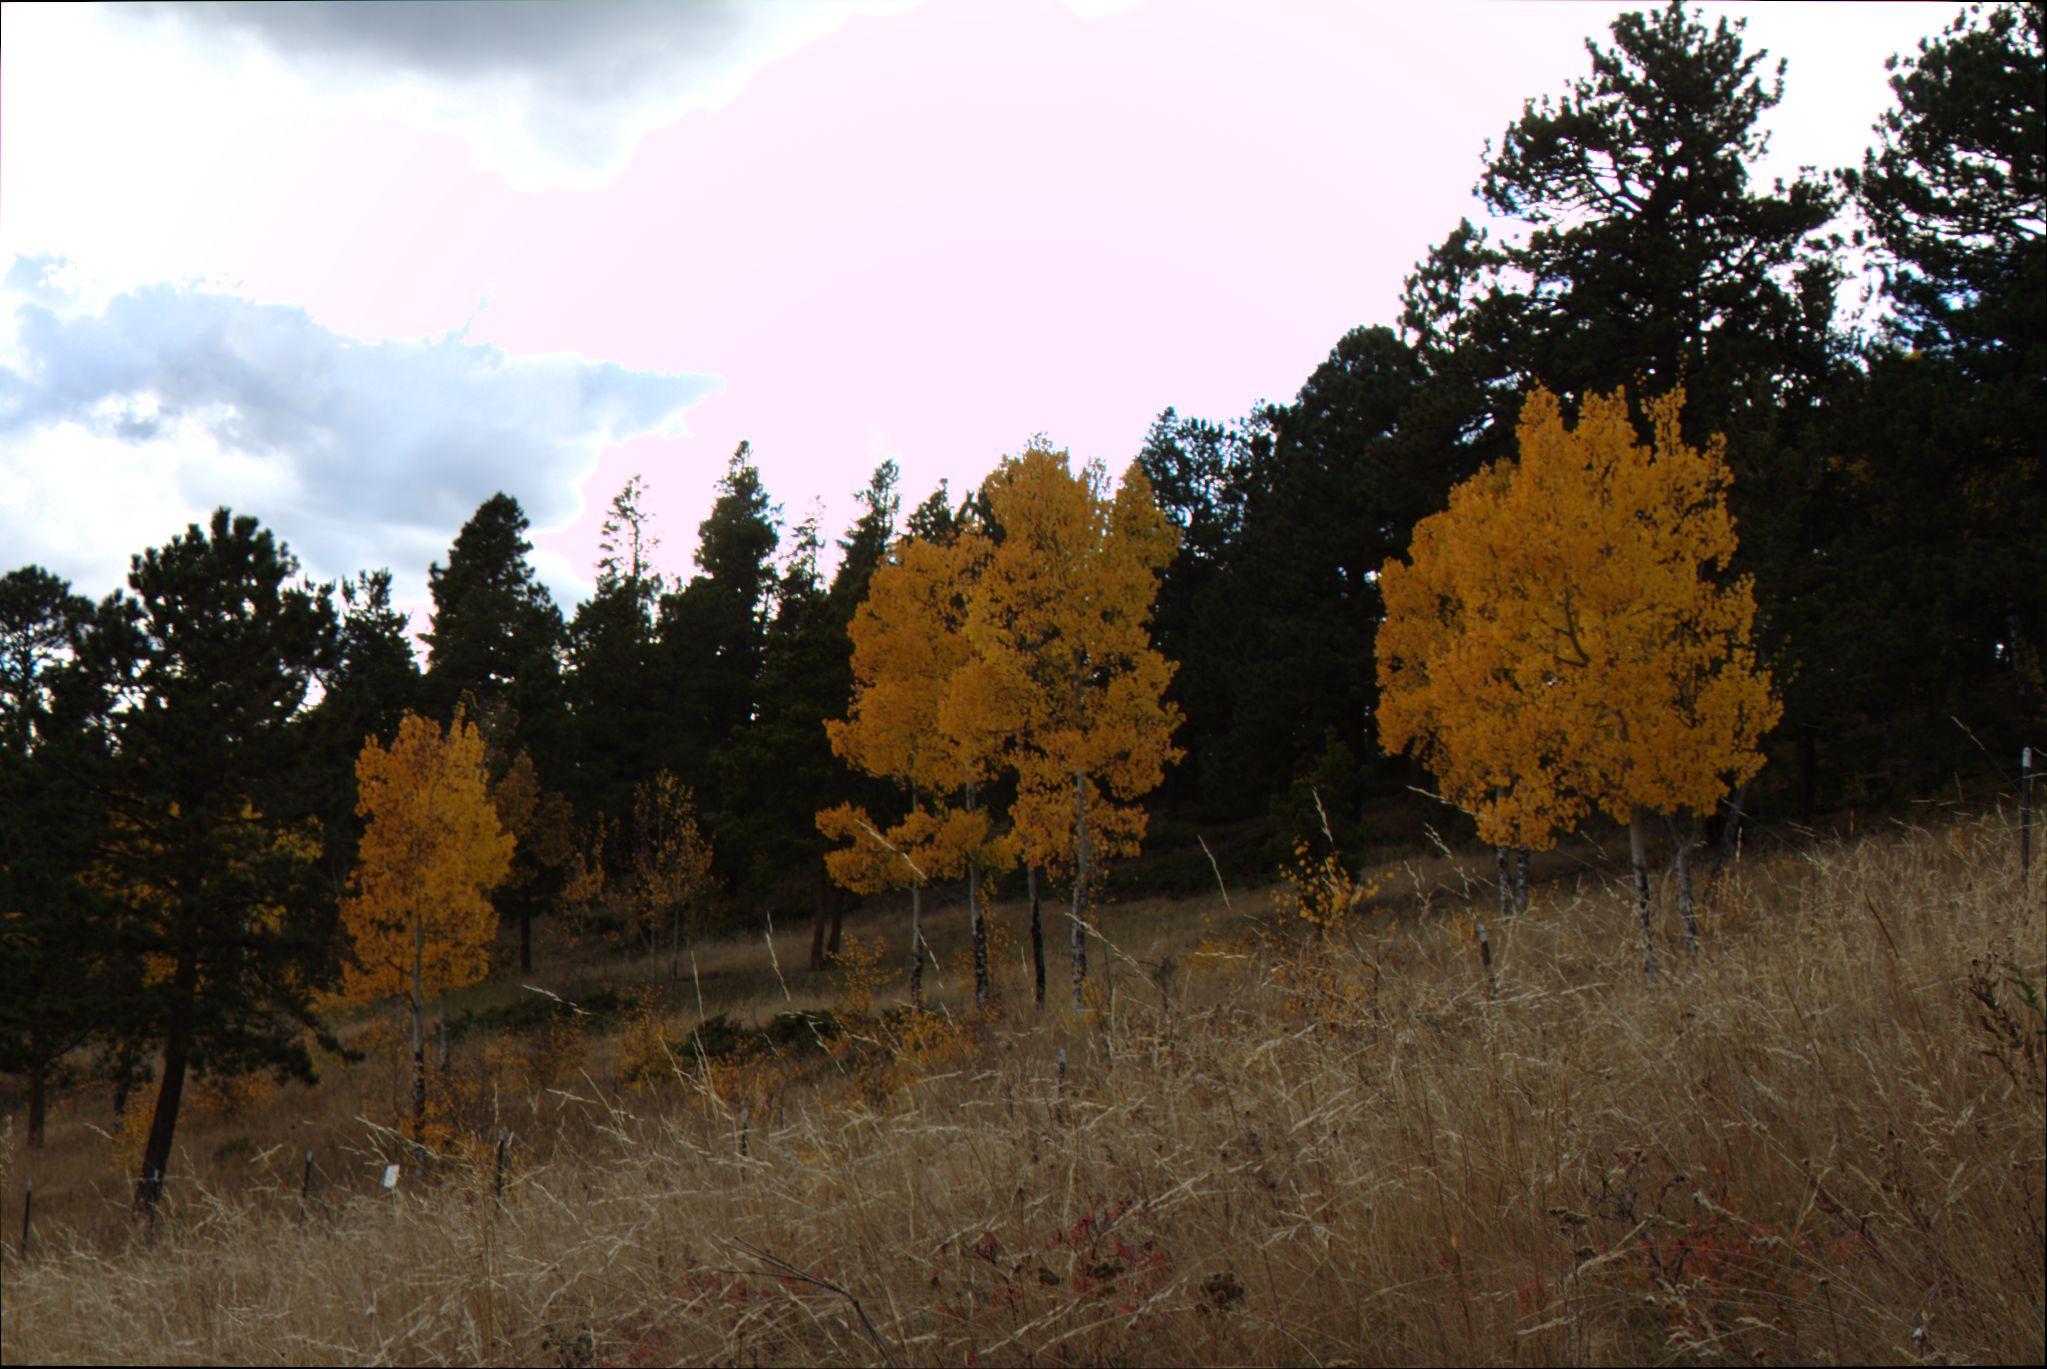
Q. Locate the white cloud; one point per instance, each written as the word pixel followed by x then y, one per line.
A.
pixel 548 96
pixel 121 422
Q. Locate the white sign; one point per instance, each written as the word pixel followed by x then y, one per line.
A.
pixel 390 1176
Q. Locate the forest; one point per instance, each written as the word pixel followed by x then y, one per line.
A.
pixel 1675 506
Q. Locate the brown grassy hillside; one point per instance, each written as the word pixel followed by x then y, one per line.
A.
pixel 1821 1141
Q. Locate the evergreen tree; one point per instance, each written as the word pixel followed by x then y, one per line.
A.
pixel 216 651
pixel 496 638
pixel 1937 469
pixel 713 631
pixel 1954 193
pixel 374 682
pixel 57 967
pixel 613 698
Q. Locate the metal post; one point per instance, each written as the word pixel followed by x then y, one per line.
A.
pixel 503 1137
pixel 28 1201
pixel 2025 821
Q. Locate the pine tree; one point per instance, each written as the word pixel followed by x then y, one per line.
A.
pixel 58 966
pixel 496 640
pixel 216 652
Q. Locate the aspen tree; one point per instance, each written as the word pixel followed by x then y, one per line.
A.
pixel 1557 643
pixel 419 914
pixel 1059 620
pixel 909 652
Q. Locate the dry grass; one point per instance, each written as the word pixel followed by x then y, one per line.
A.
pixel 1821 1141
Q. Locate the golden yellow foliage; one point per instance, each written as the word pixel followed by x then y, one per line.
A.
pixel 921 716
pixel 1060 624
pixel 1557 643
pixel 670 867
pixel 419 915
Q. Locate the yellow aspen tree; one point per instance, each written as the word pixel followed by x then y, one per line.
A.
pixel 542 825
pixel 1060 619
pixel 1559 641
pixel 418 914
pixel 906 726
pixel 670 865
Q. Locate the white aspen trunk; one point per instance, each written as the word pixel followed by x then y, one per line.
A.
pixel 1521 880
pixel 1638 854
pixel 1506 882
pixel 1080 874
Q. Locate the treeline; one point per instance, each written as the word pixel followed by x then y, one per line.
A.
pixel 178 762
pixel 1888 482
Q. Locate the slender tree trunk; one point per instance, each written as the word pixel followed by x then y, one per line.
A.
pixel 525 940
pixel 1521 880
pixel 817 921
pixel 675 945
pixel 1681 866
pixel 1037 936
pixel 831 940
pixel 1080 875
pixel 916 946
pixel 1638 855
pixel 418 1038
pixel 177 1055
pixel 977 920
pixel 1730 834
pixel 38 1104
pixel 1503 860
pixel 447 1054
pixel 1808 773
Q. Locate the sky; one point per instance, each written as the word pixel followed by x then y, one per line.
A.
pixel 354 267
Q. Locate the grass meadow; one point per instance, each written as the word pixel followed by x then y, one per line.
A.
pixel 1818 1141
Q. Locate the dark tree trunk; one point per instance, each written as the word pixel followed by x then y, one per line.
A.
pixel 38 1084
pixel 525 941
pixel 1037 937
pixel 1723 832
pixel 818 916
pixel 831 941
pixel 170 1092
pixel 1808 773
pixel 917 946
pixel 1080 875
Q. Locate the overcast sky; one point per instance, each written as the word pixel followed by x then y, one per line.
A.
pixel 354 267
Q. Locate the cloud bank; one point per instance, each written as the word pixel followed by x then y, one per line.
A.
pixel 119 424
pixel 549 96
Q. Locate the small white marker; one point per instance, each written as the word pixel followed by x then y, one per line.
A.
pixel 390 1176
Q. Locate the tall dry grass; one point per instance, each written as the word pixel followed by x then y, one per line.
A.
pixel 1820 1141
